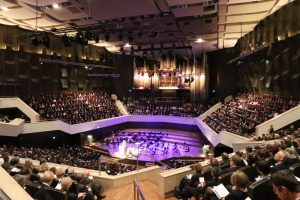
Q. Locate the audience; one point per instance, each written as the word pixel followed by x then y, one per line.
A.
pixel 150 106
pixel 76 156
pixel 246 111
pixel 74 107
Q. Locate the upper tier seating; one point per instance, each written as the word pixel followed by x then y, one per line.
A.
pixel 151 106
pixel 246 111
pixel 74 107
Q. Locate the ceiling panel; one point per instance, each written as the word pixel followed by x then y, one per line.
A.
pixel 18 14
pixel 43 3
pixel 7 4
pixel 245 18
pixel 66 13
pixel 250 8
pixel 41 22
pixel 121 9
pixel 239 28
pixel 183 2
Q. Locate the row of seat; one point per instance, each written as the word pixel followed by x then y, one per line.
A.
pixel 33 188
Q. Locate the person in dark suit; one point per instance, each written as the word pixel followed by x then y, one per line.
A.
pixel 66 183
pixel 280 157
pixel 46 181
pixel 285 185
pixel 188 186
pixel 235 163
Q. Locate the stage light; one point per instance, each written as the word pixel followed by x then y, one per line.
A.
pixel 46 40
pixel 186 80
pixel 66 40
pixel 88 35
pixel 192 79
pixel 35 41
pixel 79 37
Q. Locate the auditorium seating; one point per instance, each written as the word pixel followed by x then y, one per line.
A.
pixel 151 106
pixel 295 169
pixel 262 189
pixel 57 194
pixel 225 178
pixel 246 111
pixel 32 188
pixel 250 171
pixel 69 155
pixel 73 107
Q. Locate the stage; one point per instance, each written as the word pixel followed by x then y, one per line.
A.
pixel 152 145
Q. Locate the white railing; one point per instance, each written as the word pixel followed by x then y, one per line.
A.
pixel 211 110
pixel 15 102
pixel 279 121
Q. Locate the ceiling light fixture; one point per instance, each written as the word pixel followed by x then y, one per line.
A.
pixel 4 8
pixel 55 6
pixel 200 40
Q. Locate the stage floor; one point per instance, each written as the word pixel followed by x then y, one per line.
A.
pixel 176 141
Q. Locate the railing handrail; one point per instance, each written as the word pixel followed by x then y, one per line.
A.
pixel 137 191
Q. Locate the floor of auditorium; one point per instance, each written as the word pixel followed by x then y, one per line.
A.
pixel 181 138
pixel 149 189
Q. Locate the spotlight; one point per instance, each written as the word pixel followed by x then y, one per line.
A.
pixel 46 41
pixel 192 79
pixel 186 80
pixel 34 41
pixel 85 42
pixel 88 35
pixel 66 40
pixel 79 37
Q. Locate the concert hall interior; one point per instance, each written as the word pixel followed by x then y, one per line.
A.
pixel 149 99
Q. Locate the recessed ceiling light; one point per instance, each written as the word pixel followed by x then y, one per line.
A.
pixel 4 8
pixel 55 5
pixel 200 40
